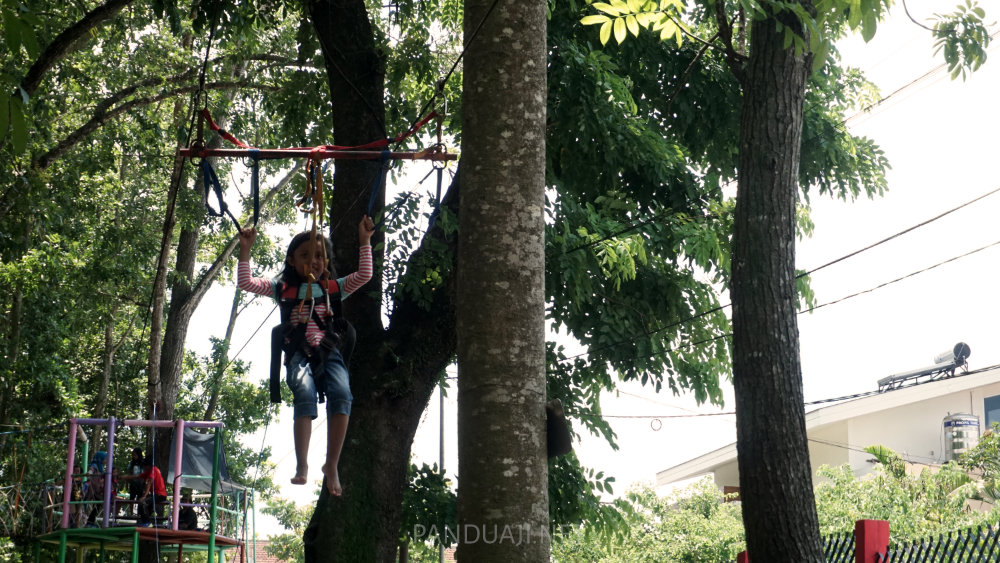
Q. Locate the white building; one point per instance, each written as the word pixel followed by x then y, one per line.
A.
pixel 909 419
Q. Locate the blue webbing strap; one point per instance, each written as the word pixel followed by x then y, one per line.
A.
pixel 211 181
pixel 437 201
pixel 255 184
pixel 379 182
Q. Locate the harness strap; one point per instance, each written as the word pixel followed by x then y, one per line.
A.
pixel 211 181
pixel 379 182
pixel 255 184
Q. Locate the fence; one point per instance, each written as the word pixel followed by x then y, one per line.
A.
pixel 970 545
pixel 869 543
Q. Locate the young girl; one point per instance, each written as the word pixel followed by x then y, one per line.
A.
pixel 306 262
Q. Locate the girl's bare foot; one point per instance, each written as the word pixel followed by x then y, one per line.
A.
pixel 300 475
pixel 332 480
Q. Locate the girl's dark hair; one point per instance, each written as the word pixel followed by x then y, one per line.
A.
pixel 288 274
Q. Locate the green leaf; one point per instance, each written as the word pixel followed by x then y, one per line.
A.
pixel 18 129
pixel 633 26
pixel 607 8
pixel 854 14
pixel 869 23
pixel 29 41
pixel 605 32
pixel 12 26
pixel 4 113
pixel 594 19
pixel 668 30
pixel 620 32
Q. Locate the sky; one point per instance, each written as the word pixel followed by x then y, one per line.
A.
pixel 940 137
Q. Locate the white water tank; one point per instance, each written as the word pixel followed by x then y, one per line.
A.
pixel 961 433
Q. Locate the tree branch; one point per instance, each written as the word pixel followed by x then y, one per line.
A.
pixel 687 71
pixel 102 115
pixel 734 59
pixel 62 43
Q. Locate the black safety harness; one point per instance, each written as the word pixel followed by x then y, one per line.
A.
pixel 289 337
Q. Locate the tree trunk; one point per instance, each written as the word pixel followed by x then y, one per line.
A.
pixel 107 363
pixel 503 471
pixel 779 512
pixel 393 370
pixel 222 359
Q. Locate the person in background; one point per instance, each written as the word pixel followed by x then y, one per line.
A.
pixel 188 518
pixel 154 494
pixel 134 487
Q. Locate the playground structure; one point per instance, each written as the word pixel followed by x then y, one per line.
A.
pixel 196 462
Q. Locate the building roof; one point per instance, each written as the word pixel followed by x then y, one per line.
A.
pixel 841 411
pixel 259 553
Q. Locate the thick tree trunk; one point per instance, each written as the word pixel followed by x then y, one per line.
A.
pixel 779 512
pixel 393 370
pixel 503 471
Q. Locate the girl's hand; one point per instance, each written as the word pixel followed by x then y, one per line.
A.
pixel 247 238
pixel 365 230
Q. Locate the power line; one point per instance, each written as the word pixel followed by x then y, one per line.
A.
pixel 900 233
pixel 842 258
pixel 901 278
pixel 725 413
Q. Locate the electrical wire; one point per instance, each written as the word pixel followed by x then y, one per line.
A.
pixel 816 269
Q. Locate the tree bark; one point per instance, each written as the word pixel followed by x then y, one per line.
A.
pixel 503 510
pixel 779 512
pixel 393 370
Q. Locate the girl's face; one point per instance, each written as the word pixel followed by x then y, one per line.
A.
pixel 308 259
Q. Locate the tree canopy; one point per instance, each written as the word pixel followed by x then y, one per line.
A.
pixel 641 140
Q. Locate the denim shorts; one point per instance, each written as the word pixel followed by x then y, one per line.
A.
pixel 306 398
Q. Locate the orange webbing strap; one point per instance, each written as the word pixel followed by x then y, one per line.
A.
pixel 311 203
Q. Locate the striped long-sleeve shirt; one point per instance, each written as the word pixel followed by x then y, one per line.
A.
pixel 347 284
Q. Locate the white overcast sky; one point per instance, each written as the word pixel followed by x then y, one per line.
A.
pixel 941 139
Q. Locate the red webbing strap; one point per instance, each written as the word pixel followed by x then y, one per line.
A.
pixel 225 134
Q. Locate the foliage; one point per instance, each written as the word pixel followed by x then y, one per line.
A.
pixel 288 547
pixel 963 38
pixel 691 525
pixel 915 505
pixel 984 461
pixel 694 524
pixel 429 507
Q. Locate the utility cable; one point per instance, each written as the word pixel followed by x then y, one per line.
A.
pixel 900 233
pixel 816 269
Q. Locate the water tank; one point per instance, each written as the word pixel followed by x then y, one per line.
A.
pixel 961 433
